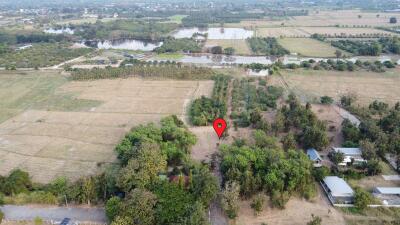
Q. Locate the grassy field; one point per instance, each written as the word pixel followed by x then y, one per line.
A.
pixel 170 56
pixel 308 47
pixel 54 127
pixel 20 91
pixel 240 46
pixel 310 85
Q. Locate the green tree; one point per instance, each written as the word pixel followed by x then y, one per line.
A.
pixel 17 182
pixel 289 142
pixel 89 190
pixel 257 203
pixel 229 51
pixel 230 199
pixel 362 199
pixel 315 137
pixel 122 221
pixel 139 206
pixel 336 157
pixel 144 169
pixel 113 208
pixel 368 150
pixel 320 173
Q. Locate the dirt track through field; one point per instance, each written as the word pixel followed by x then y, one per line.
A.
pixel 49 144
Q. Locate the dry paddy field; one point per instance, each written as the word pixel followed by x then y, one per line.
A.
pixel 367 86
pixel 52 143
pixel 323 18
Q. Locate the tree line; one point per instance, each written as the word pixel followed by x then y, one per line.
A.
pixel 145 70
pixel 370 47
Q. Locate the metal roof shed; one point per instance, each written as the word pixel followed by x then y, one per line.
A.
pixel 338 187
pixel 313 155
pixel 387 190
pixel 349 151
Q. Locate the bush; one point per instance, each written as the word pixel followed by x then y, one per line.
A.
pixel 1 216
pixel 326 100
pixel 362 199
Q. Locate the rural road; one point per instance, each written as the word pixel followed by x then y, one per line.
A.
pixel 76 214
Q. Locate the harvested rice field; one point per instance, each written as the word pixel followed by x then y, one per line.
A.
pixel 61 142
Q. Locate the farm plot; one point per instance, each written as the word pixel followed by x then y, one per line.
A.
pixel 310 85
pixel 308 47
pixel 49 144
pixel 282 32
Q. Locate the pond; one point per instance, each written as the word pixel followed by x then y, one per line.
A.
pixel 215 33
pixel 129 45
pixel 64 30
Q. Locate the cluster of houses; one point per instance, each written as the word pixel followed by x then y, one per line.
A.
pixel 339 191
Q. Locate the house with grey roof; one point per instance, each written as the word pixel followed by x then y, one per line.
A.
pixel 314 156
pixel 351 155
pixel 337 190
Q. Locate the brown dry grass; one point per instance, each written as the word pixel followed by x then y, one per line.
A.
pixel 49 144
pixel 296 212
pixel 310 85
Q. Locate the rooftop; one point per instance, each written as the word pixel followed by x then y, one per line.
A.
pixel 313 154
pixel 338 186
pixel 349 151
pixel 387 190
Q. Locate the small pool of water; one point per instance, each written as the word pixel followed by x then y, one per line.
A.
pixel 215 33
pixel 129 45
pixel 63 30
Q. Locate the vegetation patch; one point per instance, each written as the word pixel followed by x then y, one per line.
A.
pixel 266 46
pixel 204 111
pixel 41 55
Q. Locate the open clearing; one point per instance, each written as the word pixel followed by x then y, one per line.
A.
pixel 310 85
pixel 52 143
pixel 308 47
pixel 241 46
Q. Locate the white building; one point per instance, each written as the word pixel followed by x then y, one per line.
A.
pixel 351 155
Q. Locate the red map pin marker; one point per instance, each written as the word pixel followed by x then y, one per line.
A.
pixel 219 126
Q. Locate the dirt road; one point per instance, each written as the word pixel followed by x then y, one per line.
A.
pixel 76 214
